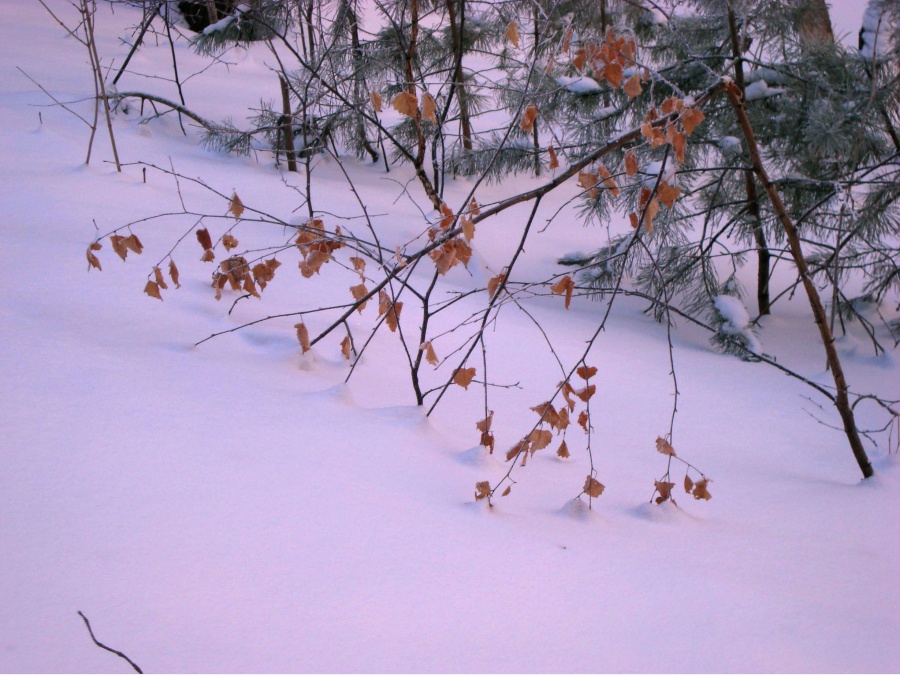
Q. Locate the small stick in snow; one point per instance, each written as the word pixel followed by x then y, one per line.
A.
pixel 103 646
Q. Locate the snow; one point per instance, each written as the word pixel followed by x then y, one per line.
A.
pixel 761 89
pixel 737 320
pixel 579 85
pixel 238 507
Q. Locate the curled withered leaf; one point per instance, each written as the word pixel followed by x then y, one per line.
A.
pixel 612 73
pixel 93 261
pixel 676 139
pixel 132 243
pixel 688 484
pixel 633 86
pixel 463 377
pixel 406 104
pixel 118 245
pixel 487 440
pixel 204 239
pixel 690 118
pixel 250 287
pixel 668 194
pixel 152 290
pixel 664 488
pixel 586 372
pixel 608 181
pixel 671 104
pixel 700 491
pixel 303 337
pixel 554 160
pixel 584 421
pixel 528 117
pixel 650 212
pixel 229 242
pixel 428 108
pixel 359 265
pixel 547 413
pixel 563 450
pixel 208 255
pixel 593 487
pixel 485 425
pixel 563 418
pixel 517 449
pixel 173 273
pixel 631 163
pixel 567 392
pixel 664 447
pixel 359 292
pixel 586 393
pixel 430 354
pixel 346 347
pixel 633 219
pixel 564 285
pixel 393 316
pixel 512 34
pixel 494 284
pixel 482 489
pixel 474 209
pixel 376 100
pixel 538 440
pixel 236 206
pixel 506 491
pixel 588 180
pixel 468 229
pixel 158 277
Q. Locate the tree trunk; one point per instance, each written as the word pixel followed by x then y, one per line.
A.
pixel 841 400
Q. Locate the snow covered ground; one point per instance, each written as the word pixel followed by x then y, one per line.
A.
pixel 237 507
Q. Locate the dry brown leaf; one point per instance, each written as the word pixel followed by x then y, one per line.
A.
pixel 688 484
pixel 690 118
pixel 608 181
pixel 567 392
pixel 428 108
pixel 474 209
pixel 631 163
pixel 208 255
pixel 482 489
pixel 612 73
pixel 517 449
pixel 547 413
pixel 593 487
pixel 375 97
pixel 633 86
pixel 494 284
pixel 463 377
pixel 663 446
pixel 484 425
pixel 632 217
pixel 118 246
pixel 359 292
pixel 584 421
pixel 158 277
pixel 506 491
pixel 236 206
pixel 554 161
pixel 93 261
pixel 132 243
pixel 250 287
pixel 563 450
pixel 430 354
pixel 468 229
pixel 303 336
pixel 487 440
pixel 204 239
pixel 565 285
pixel 586 372
pixel 563 421
pixel 538 440
pixel 586 393
pixel 393 316
pixel 346 347
pixel 670 105
pixel 406 104
pixel 677 141
pixel 588 180
pixel 173 273
pixel 152 290
pixel 579 59
pixel 665 490
pixel 668 194
pixel 512 34
pixel 528 118
pixel 650 212
pixel 700 491
pixel 359 265
pixel 229 242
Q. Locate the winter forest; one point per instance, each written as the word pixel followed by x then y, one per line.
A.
pixel 450 335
